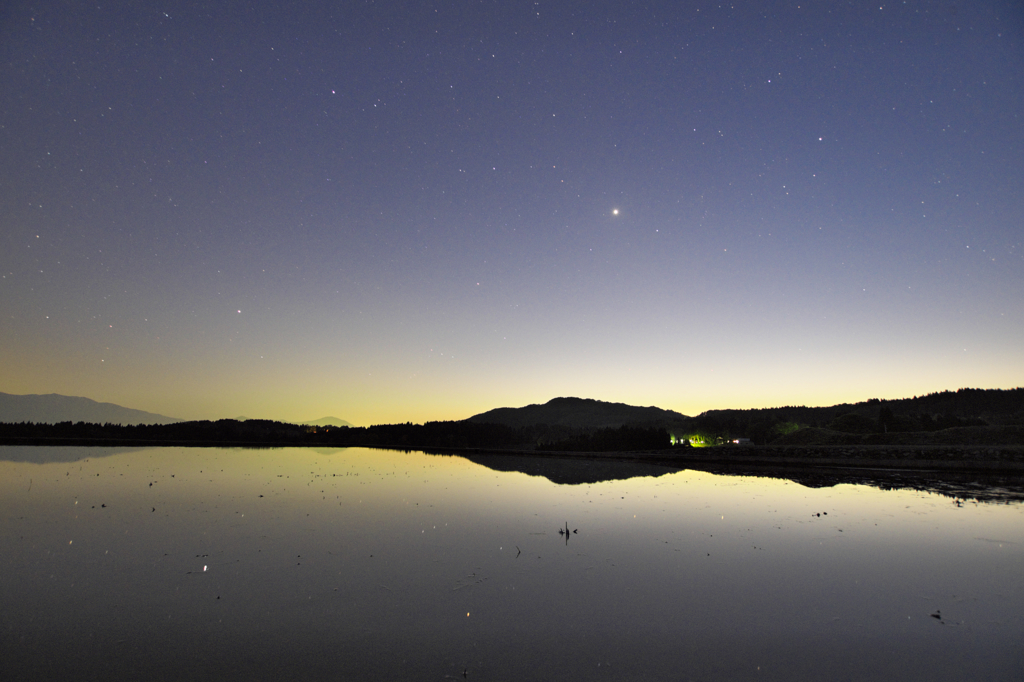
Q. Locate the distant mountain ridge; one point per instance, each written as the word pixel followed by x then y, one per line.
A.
pixel 327 421
pixel 322 421
pixel 585 413
pixel 53 408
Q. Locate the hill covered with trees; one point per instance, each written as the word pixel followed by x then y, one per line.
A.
pixel 932 412
pixel 579 413
pixel 575 424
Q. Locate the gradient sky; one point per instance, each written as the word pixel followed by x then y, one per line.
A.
pixel 411 211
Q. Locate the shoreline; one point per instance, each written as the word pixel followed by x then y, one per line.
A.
pixel 995 459
pixel 1007 459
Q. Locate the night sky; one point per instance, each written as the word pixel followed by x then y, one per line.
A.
pixel 410 211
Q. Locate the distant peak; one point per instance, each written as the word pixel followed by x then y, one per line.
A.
pixel 327 421
pixel 53 408
pixel 577 412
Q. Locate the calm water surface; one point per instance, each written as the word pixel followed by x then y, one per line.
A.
pixel 306 564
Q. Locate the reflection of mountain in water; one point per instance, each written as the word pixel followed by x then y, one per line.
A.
pixel 574 471
pixel 570 471
pixel 991 488
pixel 54 454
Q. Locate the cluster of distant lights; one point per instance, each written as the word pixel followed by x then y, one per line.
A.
pixel 698 441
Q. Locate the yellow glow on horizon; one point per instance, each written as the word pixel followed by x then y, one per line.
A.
pixel 402 389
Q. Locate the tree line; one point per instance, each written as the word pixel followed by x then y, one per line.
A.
pixel 434 435
pixel 966 407
pixel 931 412
pixel 260 431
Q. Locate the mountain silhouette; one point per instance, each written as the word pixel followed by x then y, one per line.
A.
pixel 584 413
pixel 53 408
pixel 323 421
pixel 327 421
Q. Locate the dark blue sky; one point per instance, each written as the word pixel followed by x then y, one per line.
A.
pixel 392 211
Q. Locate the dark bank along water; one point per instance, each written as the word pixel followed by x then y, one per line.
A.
pixel 275 564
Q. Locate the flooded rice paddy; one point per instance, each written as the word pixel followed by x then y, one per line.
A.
pixel 204 563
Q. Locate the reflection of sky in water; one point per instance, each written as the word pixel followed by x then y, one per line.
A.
pixel 250 559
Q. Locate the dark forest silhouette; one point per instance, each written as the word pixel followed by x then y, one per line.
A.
pixel 434 435
pixel 933 412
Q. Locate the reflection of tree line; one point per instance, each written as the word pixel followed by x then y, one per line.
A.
pixel 622 439
pixel 451 434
